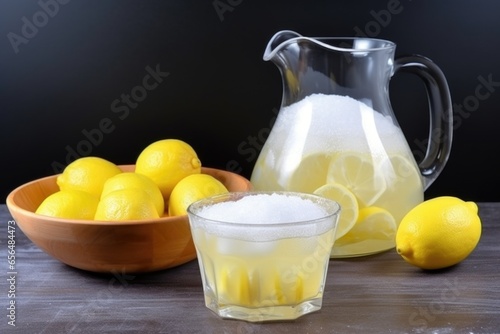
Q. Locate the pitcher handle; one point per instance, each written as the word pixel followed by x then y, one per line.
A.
pixel 441 114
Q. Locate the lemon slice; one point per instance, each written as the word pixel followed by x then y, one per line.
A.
pixel 348 204
pixel 288 290
pixel 359 175
pixel 374 228
pixel 310 174
pixel 397 169
pixel 233 286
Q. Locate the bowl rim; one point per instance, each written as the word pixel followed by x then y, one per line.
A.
pixel 12 206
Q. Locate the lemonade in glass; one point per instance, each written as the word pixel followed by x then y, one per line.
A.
pixel 263 255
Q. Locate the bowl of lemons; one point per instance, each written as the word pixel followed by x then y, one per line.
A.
pixel 102 217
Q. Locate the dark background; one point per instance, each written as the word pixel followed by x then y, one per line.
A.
pixel 219 95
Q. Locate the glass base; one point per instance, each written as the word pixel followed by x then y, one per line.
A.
pixel 268 313
pixel 363 248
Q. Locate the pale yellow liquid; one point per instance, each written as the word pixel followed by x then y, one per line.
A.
pixel 307 145
pixel 263 280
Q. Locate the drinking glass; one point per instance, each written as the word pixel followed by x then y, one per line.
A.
pixel 263 255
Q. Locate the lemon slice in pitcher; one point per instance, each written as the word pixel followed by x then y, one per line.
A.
pixel 359 175
pixel 374 228
pixel 310 174
pixel 399 169
pixel 348 204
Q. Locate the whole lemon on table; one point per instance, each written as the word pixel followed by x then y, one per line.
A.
pixel 131 180
pixel 126 204
pixel 191 189
pixel 87 174
pixel 70 203
pixel 166 162
pixel 439 232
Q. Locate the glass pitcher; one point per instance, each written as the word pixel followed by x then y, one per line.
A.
pixel 336 134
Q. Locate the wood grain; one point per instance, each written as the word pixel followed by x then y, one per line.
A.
pixel 376 294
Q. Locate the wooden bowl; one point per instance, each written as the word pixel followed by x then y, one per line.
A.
pixel 137 246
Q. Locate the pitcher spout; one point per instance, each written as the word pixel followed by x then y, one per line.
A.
pixel 342 65
pixel 278 42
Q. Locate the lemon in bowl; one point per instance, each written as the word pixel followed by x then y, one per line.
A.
pixel 132 180
pixel 126 204
pixel 87 174
pixel 70 203
pixel 191 189
pixel 168 157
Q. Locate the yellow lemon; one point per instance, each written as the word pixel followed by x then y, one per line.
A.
pixel 166 162
pixel 348 204
pixel 439 232
pixel 359 174
pixel 126 204
pixel 374 229
pixel 87 174
pixel 131 180
pixel 72 204
pixel 192 188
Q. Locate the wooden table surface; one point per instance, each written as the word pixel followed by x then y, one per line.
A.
pixel 375 294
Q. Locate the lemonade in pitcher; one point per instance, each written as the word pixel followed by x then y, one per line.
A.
pixel 336 134
pixel 363 162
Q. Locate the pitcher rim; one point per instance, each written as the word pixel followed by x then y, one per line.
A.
pixel 271 52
